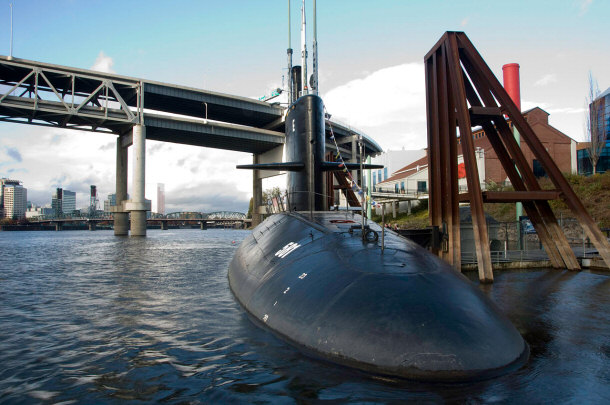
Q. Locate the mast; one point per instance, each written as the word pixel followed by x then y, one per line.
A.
pixel 289 54
pixel 314 83
pixel 303 50
pixel 10 55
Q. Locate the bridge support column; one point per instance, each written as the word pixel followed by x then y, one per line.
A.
pixel 203 225
pixel 354 159
pixel 164 225
pixel 257 194
pixel 91 226
pixel 138 206
pixel 408 207
pixel 121 217
pixel 59 226
pixel 394 209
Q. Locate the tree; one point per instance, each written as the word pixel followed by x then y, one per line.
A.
pixel 595 123
pixel 249 214
pixel 276 193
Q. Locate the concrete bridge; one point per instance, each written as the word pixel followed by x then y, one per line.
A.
pixel 134 110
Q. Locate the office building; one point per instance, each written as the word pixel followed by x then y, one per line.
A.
pixel 13 199
pixel 161 198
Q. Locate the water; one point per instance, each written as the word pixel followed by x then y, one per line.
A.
pixel 87 317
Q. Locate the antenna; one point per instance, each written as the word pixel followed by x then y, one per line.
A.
pixel 10 55
pixel 303 49
pixel 314 83
pixel 289 54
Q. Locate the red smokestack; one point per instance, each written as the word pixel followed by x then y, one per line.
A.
pixel 511 82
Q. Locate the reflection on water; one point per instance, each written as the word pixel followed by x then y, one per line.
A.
pixel 91 318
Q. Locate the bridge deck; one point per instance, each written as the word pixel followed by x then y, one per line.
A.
pixel 38 93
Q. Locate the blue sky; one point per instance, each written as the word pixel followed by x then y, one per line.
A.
pixel 371 73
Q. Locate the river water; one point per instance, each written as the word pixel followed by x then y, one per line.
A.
pixel 87 317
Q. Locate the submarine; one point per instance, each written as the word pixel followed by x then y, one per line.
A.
pixel 324 282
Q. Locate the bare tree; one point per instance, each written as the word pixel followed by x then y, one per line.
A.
pixel 595 123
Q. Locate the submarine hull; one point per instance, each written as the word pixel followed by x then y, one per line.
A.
pixel 314 281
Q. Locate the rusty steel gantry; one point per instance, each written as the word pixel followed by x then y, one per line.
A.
pixel 461 91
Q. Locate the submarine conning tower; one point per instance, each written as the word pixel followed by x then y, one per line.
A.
pixel 305 142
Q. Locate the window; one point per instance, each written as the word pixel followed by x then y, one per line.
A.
pixel 385 173
pixel 538 169
pixel 421 187
pixel 402 186
pixel 396 188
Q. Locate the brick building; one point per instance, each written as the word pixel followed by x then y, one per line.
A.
pixel 561 147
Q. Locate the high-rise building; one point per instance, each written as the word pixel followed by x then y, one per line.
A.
pixel 69 202
pixel 110 202
pixel 13 199
pixel 57 202
pixel 63 202
pixel 161 198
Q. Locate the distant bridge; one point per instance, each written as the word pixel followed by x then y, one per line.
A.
pixel 203 215
pixel 164 223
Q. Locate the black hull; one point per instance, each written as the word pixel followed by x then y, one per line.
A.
pixel 402 313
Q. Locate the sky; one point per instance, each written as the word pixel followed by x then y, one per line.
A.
pixel 371 74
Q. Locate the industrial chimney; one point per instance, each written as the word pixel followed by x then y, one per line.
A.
pixel 511 82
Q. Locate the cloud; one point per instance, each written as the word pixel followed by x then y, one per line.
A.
pixel 584 6
pixel 13 153
pixel 528 105
pixel 103 63
pixel 566 110
pixel 108 146
pixel 546 79
pixel 154 147
pixel 219 196
pixel 384 104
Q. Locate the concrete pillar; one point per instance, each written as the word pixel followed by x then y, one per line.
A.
pixel 92 226
pixel 121 218
pixel 394 209
pixel 409 207
pixel 137 207
pixel 257 194
pixel 203 225
pixel 164 225
pixel 58 226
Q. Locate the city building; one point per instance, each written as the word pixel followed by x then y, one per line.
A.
pixel 63 202
pixel 161 198
pixel 57 203
pixel 35 211
pixel 13 199
pixel 392 160
pixel 69 202
pixel 109 202
pixel 413 178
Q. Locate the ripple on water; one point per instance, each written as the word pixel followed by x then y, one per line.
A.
pixel 99 319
